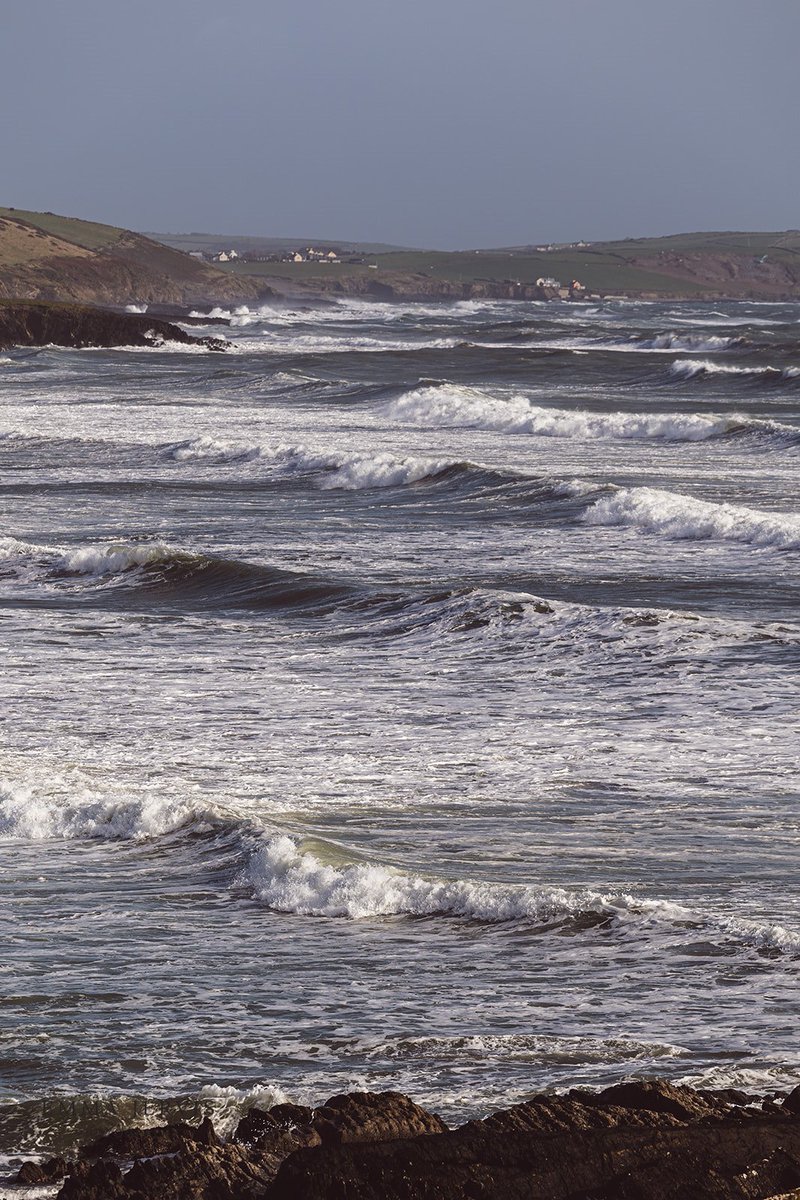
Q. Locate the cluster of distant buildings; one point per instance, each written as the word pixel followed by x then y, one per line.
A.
pixel 562 246
pixel 220 256
pixel 307 254
pixel 574 290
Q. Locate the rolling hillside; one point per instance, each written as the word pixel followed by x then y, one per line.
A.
pixel 761 266
pixel 49 257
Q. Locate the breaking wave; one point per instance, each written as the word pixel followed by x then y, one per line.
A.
pixel 450 406
pixel 35 816
pixel 689 368
pixel 674 515
pixel 707 343
pixel 168 573
pixel 288 878
pixel 385 470
pixel 334 471
pixel 209 449
pixel 61 1123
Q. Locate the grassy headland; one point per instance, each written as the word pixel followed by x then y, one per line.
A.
pixel 49 257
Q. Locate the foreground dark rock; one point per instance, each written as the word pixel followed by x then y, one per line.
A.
pixel 634 1141
pixel 42 323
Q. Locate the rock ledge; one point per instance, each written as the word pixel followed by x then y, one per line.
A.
pixel 648 1140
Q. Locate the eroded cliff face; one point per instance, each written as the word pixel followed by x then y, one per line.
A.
pixel 408 286
pixel 729 275
pixel 635 1141
pixel 35 265
pixel 39 323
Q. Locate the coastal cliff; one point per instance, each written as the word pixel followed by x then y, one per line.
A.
pixel 646 1140
pixel 47 257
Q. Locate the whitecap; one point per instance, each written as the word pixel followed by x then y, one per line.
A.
pixel 209 449
pixel 289 878
pixel 674 515
pixel 383 470
pixel 691 367
pixel 43 816
pixel 452 406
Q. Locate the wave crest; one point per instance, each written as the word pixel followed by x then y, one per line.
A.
pixel 36 817
pixel 209 449
pixel 673 515
pixel 690 368
pixel 707 343
pixel 385 470
pixel 450 406
pixel 288 878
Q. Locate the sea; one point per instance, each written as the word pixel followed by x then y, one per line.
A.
pixel 407 698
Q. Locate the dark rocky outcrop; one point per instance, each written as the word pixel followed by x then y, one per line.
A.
pixel 147 1143
pixel 637 1141
pixel 33 1174
pixel 41 323
pixel 371 1117
pixel 647 1140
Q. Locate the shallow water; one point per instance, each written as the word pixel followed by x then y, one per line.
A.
pixel 407 699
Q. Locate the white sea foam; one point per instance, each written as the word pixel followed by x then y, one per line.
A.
pixel 240 316
pixel 707 343
pixel 448 406
pixel 209 449
pixel 772 1077
pixel 114 558
pixel 519 1047
pixel 288 878
pixel 10 547
pixel 673 515
pixel 41 816
pixel 136 308
pixel 383 470
pixel 690 367
pixel 227 1105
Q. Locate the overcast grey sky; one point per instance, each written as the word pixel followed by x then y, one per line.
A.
pixel 440 123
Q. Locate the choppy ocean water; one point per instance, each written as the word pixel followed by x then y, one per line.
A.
pixel 408 698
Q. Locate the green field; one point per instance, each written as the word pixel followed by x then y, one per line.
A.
pixel 641 266
pixel 598 272
pixel 212 243
pixel 755 244
pixel 88 234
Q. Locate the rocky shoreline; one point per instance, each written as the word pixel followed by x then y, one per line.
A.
pixel 81 326
pixel 647 1140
